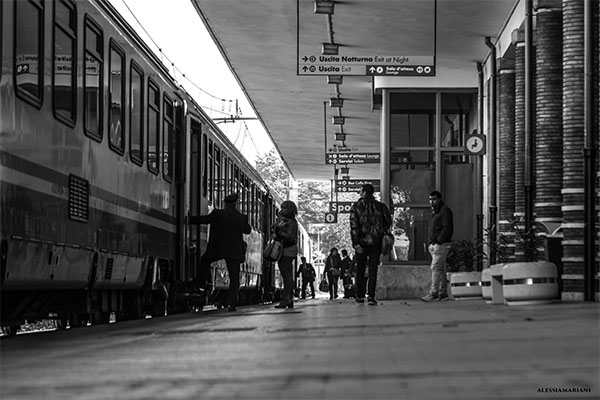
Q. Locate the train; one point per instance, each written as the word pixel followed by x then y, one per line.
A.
pixel 103 157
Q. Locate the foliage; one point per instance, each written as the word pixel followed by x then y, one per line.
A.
pixel 274 172
pixel 527 243
pixel 462 256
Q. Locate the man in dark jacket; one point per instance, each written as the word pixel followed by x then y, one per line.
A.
pixel 308 276
pixel 225 241
pixel 442 228
pixel 369 220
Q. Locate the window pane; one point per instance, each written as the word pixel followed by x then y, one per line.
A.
pixel 167 138
pixel 153 128
pixel 413 119
pixel 64 61
pixel 93 73
pixel 28 57
pixel 136 117
pixel 457 118
pixel 411 228
pixel 116 100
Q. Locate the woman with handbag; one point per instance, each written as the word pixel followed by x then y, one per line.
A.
pixel 286 231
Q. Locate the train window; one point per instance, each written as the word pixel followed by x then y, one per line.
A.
pixel 29 53
pixel 94 60
pixel 236 179
pixel 116 85
pixel 65 56
pixel 218 187
pixel 136 114
pixel 211 171
pixel 226 190
pixel 153 126
pixel 231 182
pixel 167 142
pixel 204 166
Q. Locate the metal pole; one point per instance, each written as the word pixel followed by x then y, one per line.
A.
pixel 493 207
pixel 385 147
pixel 479 170
pixel 589 153
pixel 529 65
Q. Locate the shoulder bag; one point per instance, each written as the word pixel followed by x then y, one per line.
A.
pixel 387 243
pixel 273 250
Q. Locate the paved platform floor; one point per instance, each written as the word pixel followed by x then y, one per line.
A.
pixel 321 349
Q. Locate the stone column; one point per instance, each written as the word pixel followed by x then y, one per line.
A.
pixel 506 151
pixel 573 137
pixel 548 124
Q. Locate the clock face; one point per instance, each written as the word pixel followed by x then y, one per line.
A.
pixel 474 145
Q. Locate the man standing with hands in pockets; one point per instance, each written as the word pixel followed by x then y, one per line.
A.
pixel 442 228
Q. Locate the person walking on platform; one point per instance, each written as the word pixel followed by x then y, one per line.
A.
pixel 308 276
pixel 286 231
pixel 369 220
pixel 333 270
pixel 442 228
pixel 225 241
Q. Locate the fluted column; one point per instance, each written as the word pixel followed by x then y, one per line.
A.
pixel 506 150
pixel 573 137
pixel 548 126
pixel 518 39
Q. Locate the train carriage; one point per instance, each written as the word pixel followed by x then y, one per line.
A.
pixel 102 157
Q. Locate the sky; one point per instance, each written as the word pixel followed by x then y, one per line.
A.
pixel 175 32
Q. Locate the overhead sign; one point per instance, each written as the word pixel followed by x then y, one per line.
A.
pixel 340 207
pixel 310 64
pixel 475 144
pixel 355 185
pixel 352 158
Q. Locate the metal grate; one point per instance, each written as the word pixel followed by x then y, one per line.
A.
pixel 79 198
pixel 109 268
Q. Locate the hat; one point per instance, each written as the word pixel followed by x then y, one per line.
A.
pixel 232 198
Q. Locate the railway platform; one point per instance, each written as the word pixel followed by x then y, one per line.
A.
pixel 320 349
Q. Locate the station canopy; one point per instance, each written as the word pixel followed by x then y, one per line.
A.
pixel 268 45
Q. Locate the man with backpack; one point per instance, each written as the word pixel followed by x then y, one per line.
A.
pixel 369 220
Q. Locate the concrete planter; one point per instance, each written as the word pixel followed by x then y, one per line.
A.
pixel 529 283
pixel 486 284
pixel 466 285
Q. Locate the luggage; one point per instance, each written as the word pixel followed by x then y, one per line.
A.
pixel 349 291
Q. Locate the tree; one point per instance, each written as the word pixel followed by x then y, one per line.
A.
pixel 272 169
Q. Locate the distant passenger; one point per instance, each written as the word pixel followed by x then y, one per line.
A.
pixel 308 277
pixel 369 220
pixel 440 238
pixel 286 230
pixel 226 241
pixel 333 269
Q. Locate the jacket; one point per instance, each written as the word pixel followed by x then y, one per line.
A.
pixel 286 231
pixel 442 225
pixel 333 262
pixel 307 271
pixel 369 220
pixel 226 240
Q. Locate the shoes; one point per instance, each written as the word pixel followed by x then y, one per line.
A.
pixel 313 297
pixel 431 297
pixel 443 297
pixel 232 308
pixel 372 301
pixel 336 296
pixel 360 300
pixel 285 305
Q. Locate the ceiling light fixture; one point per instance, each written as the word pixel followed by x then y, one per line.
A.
pixel 345 170
pixel 338 120
pixel 324 7
pixel 334 79
pixel 336 102
pixel 340 136
pixel 330 49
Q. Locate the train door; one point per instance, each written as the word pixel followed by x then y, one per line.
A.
pixel 179 146
pixel 195 195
